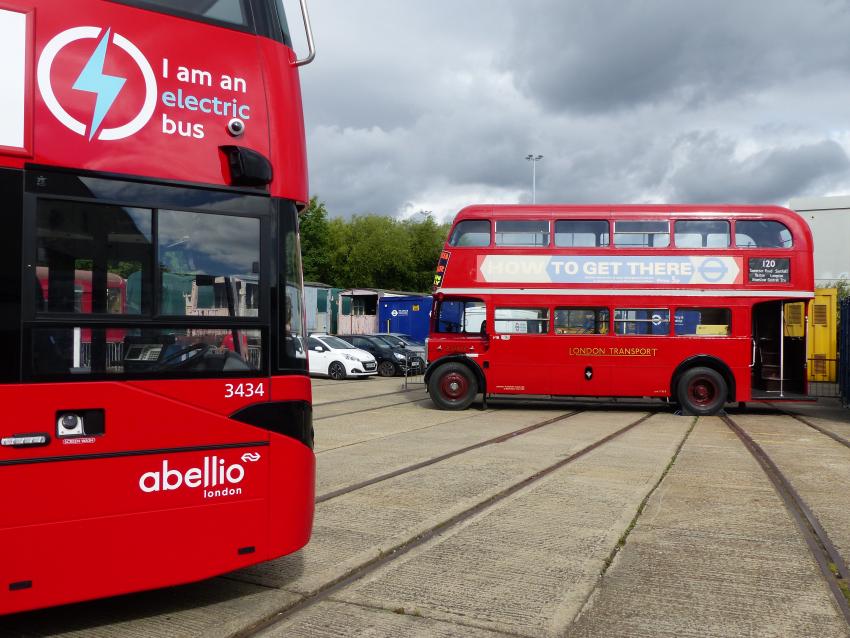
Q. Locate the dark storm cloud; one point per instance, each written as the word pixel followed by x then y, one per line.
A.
pixel 610 54
pixel 414 105
pixel 711 173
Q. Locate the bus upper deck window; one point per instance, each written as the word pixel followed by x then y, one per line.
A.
pixel 762 234
pixel 522 233
pixel 575 233
pixel 642 234
pixel 471 232
pixel 702 234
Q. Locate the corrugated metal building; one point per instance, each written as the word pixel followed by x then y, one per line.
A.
pixel 358 309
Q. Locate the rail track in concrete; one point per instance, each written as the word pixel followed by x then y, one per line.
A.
pixel 282 615
pixel 831 563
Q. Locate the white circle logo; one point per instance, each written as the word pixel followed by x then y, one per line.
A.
pixel 93 80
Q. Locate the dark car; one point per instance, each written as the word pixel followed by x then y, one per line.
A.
pixel 391 360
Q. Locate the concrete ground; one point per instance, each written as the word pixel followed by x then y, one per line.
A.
pixel 487 523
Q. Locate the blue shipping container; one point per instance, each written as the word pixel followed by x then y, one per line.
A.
pixel 407 315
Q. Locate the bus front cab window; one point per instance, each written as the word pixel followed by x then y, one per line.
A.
pixel 463 316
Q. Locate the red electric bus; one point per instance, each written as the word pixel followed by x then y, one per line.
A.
pixel 686 303
pixel 159 424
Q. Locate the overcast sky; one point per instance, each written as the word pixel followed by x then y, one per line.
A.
pixel 433 104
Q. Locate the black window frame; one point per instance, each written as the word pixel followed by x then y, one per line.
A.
pixel 87 188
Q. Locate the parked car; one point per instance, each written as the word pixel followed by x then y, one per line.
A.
pixel 401 340
pixel 335 358
pixel 391 360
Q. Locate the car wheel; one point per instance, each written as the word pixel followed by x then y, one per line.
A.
pixel 452 387
pixel 701 391
pixel 336 370
pixel 386 369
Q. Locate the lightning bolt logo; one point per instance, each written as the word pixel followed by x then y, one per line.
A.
pixel 93 80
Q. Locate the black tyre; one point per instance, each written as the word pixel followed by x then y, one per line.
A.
pixel 386 368
pixel 702 391
pixel 452 387
pixel 336 370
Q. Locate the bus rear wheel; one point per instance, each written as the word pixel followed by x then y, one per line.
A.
pixel 702 391
pixel 452 387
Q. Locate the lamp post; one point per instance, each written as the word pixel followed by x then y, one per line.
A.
pixel 531 157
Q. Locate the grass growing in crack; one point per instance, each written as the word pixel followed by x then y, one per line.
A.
pixel 842 584
pixel 622 540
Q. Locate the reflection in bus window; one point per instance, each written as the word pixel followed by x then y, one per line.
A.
pixel 522 233
pixel 86 253
pixel 762 234
pixel 581 321
pixel 702 322
pixel 462 316
pixel 147 351
pixel 472 232
pixel 522 321
pixel 642 321
pixel 581 233
pixel 209 264
pixel 641 234
pixel 702 234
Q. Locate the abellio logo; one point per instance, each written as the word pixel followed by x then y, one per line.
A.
pixel 92 79
pixel 214 476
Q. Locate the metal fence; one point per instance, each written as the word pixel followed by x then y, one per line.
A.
pixel 414 375
pixel 823 377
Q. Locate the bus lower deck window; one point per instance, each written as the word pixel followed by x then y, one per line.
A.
pixel 522 320
pixel 642 321
pixel 703 322
pixel 581 321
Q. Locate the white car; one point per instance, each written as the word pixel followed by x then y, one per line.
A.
pixel 332 357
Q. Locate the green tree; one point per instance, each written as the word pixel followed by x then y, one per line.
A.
pixel 370 251
pixel 315 242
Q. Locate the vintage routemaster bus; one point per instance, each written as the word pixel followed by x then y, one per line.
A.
pixel 684 303
pixel 158 424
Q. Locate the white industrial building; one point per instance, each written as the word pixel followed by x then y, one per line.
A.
pixel 829 219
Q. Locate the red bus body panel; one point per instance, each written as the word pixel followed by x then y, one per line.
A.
pixel 175 490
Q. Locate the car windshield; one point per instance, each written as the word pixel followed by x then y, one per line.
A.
pixel 337 344
pixel 392 340
pixel 384 340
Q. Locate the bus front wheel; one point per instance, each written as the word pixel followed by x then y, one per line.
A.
pixel 702 391
pixel 452 387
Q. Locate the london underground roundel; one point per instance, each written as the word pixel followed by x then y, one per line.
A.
pixel 93 78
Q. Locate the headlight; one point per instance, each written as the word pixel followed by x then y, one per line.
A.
pixel 398 356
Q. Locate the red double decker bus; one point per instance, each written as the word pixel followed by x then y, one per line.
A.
pixel 158 423
pixel 685 303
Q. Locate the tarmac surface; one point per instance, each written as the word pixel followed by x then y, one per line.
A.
pixel 528 519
